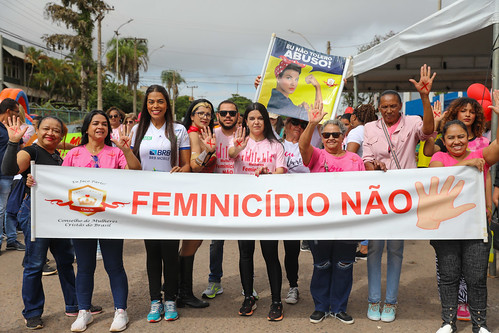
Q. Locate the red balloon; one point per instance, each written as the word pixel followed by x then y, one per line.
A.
pixel 478 91
pixel 486 110
pixel 349 110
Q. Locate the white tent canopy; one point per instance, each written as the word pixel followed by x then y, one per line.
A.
pixel 455 41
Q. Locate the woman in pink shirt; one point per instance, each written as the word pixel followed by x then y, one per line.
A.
pixel 466 257
pixel 256 151
pixel 96 151
pixel 333 259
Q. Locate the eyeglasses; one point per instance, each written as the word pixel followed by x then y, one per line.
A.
pixel 114 116
pixel 204 115
pixel 96 161
pixel 298 122
pixel 230 113
pixel 327 135
pixel 130 121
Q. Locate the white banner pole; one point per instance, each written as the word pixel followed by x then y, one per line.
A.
pixel 264 69
pixel 338 96
pixel 33 201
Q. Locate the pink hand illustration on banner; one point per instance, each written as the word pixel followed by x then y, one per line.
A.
pixel 435 207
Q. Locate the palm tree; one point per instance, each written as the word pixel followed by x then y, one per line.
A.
pixel 79 16
pixel 171 79
pixel 125 60
pixel 33 57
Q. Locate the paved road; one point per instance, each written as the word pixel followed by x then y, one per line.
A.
pixel 418 311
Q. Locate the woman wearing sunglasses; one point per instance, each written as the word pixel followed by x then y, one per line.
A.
pixel 198 121
pixel 96 151
pixel 333 259
pixel 130 121
pixel 115 118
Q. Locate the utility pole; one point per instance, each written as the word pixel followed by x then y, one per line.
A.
pixel 328 47
pixel 100 17
pixel 192 92
pixel 135 71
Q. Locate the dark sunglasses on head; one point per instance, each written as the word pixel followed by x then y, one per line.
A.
pixel 296 122
pixel 114 116
pixel 230 113
pixel 327 135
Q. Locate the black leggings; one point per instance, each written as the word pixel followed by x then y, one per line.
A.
pixel 162 259
pixel 246 266
pixel 292 251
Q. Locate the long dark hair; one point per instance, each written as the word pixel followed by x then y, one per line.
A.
pixel 86 123
pixel 267 126
pixel 145 121
pixel 456 105
pixel 193 107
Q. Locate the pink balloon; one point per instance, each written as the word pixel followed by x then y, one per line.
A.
pixel 486 110
pixel 349 110
pixel 478 91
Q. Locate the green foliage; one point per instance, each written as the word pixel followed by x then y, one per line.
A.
pixel 126 53
pixel 114 94
pixel 181 106
pixel 241 102
pixel 171 79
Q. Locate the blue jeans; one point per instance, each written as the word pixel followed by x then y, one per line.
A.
pixel 35 258
pixel 395 250
pixel 5 185
pixel 112 255
pixel 333 274
pixel 216 259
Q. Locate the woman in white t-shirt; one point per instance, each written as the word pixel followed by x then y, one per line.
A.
pixel 256 151
pixel 161 145
pixel 361 115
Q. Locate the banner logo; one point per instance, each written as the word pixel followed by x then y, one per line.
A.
pixel 87 200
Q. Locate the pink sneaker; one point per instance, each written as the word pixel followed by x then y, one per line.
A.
pixel 463 312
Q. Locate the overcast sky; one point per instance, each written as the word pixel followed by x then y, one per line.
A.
pixel 220 45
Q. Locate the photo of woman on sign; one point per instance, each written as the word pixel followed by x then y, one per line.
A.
pixel 287 74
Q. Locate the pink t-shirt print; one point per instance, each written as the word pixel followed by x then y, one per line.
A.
pixel 259 154
pixel 224 163
pixel 322 161
pixel 108 158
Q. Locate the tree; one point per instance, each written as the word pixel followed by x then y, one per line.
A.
pixel 181 106
pixel 241 102
pixel 113 94
pixel 80 16
pixel 376 40
pixel 126 57
pixel 171 79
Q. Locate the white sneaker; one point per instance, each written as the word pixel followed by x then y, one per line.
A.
pixel 447 328
pixel 255 294
pixel 483 330
pixel 120 321
pixel 80 324
pixel 293 296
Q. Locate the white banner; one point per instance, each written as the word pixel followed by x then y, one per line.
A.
pixel 399 204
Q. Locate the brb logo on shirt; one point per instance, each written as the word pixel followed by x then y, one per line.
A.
pixel 159 154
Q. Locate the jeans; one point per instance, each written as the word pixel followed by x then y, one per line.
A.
pixel 395 250
pixel 5 185
pixel 35 258
pixel 469 258
pixel 332 278
pixel 162 260
pixel 216 259
pixel 112 255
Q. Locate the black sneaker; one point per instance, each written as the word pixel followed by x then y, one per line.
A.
pixel 360 255
pixel 344 317
pixel 317 317
pixel 34 323
pixel 275 313
pixel 249 305
pixel 15 245
pixel 48 270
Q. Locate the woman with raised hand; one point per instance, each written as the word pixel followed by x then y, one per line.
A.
pixel 252 141
pixel 468 257
pixel 198 122
pixel 44 152
pixel 333 259
pixel 96 151
pixel 157 132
